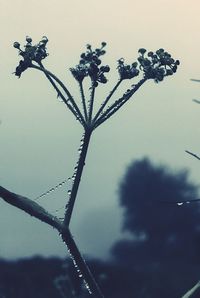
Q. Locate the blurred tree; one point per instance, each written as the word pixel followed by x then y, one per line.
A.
pixel 164 227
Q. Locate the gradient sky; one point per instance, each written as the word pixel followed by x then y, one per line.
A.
pixel 39 138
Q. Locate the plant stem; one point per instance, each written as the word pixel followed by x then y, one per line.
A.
pixel 34 209
pixel 83 100
pixel 106 100
pixel 91 102
pixel 79 170
pixel 30 207
pixel 80 264
pixel 74 108
pixel 119 103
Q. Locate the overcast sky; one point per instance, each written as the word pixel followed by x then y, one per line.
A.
pixel 39 138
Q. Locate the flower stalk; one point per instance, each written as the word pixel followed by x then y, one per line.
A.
pixel 155 66
pixel 69 101
pixel 91 103
pixel 83 101
pixel 118 103
pixel 77 178
pixel 106 101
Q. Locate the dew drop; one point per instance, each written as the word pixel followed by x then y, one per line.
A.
pixel 69 192
pixel 87 287
pixel 180 204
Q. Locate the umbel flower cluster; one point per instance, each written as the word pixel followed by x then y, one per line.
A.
pixel 154 65
pixel 149 65
pixel 30 53
pixel 89 65
pixel 157 65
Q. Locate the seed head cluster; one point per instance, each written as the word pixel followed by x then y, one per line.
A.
pixel 30 53
pixel 153 65
pixel 89 65
pixel 127 71
pixel 157 65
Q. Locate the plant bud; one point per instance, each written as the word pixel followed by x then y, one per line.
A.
pixel 16 45
pixel 28 39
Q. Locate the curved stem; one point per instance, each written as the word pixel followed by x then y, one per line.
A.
pixel 77 179
pixel 51 76
pixel 106 101
pixel 40 213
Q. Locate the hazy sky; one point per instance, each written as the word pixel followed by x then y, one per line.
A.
pixel 39 138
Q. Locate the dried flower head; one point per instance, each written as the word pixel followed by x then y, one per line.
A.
pixel 127 71
pixel 157 65
pixel 30 53
pixel 89 65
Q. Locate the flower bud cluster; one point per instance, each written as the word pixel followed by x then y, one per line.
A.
pixel 30 53
pixel 157 65
pixel 89 65
pixel 127 71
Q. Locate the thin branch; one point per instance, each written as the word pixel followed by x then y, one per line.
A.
pixel 195 80
pixel 196 156
pixel 192 291
pixel 30 207
pixel 66 101
pixel 119 103
pixel 83 100
pixel 93 88
pixel 48 73
pixel 196 101
pixel 106 100
pixel 51 76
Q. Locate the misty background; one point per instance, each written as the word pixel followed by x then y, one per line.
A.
pixel 40 138
pixel 160 258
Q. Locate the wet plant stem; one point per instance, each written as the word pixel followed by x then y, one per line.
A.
pixel 77 179
pixel 119 103
pixel 106 100
pixel 34 209
pixel 91 103
pixel 72 106
pixel 83 100
pixel 80 264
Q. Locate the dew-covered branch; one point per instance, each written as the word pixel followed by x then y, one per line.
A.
pixel 77 177
pixel 30 207
pixel 118 103
pixel 192 154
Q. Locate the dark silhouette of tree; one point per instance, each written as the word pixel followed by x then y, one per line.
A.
pixel 164 240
